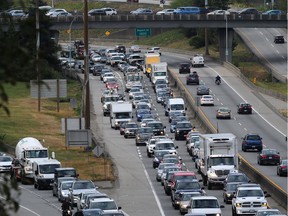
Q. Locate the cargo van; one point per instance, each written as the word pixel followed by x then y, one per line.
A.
pixel 175 104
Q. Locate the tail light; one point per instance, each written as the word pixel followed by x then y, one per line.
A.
pixel 263 156
pixel 283 167
pixel 277 156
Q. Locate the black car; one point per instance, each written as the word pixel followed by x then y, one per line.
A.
pixel 184 186
pixel 228 191
pixel 244 108
pixel 249 11
pixel 120 49
pixel 192 78
pixel 279 39
pixel 268 156
pixel 203 90
pixel 158 157
pixel 130 129
pixel 158 127
pixel 182 129
pixel 282 168
pixel 236 177
pixel 97 69
pixel 143 134
pixel 184 68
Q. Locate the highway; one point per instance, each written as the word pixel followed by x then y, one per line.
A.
pixel 261 43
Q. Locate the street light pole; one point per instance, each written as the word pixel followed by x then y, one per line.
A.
pixel 86 72
pixel 37 52
pixel 226 49
pixel 206 33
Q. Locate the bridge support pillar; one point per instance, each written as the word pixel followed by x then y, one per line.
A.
pixel 223 43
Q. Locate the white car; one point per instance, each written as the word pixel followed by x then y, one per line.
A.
pixel 61 14
pixel 96 58
pixel 166 12
pixel 106 204
pixel 207 100
pixel 54 10
pixel 219 12
pixel 197 61
pixel 154 50
pixel 17 13
pixel 5 163
pixel 207 205
pixel 110 11
pixel 135 49
pixel 107 75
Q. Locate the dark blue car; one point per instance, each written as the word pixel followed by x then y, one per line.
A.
pixel 252 142
pixel 141 112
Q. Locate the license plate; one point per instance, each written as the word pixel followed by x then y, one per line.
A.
pixel 253 146
pixel 270 157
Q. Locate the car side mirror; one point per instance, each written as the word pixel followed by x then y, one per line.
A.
pixel 267 195
pixel 176 147
pixel 222 206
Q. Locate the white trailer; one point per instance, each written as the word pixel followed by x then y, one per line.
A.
pixel 120 112
pixel 159 71
pixel 219 157
pixel 43 172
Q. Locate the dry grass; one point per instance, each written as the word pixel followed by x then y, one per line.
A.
pixel 25 121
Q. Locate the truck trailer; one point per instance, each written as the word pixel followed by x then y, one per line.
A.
pixel 150 58
pixel 120 112
pixel 218 158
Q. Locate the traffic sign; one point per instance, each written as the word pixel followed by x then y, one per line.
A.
pixel 98 151
pixel 143 32
pixel 107 33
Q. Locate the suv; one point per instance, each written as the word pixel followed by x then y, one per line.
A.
pixel 192 78
pixel 158 127
pixel 184 68
pixel 197 61
pixel 278 39
pixel 207 205
pixel 130 130
pixel 143 134
pixel 182 129
pixel 252 141
pixel 248 200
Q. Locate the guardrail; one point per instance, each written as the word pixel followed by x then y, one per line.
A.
pixel 278 194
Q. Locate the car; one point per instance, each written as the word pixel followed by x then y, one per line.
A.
pixel 140 114
pixel 279 39
pixel 63 190
pixel 120 213
pixel 92 196
pixel 223 113
pixel 184 186
pixel 253 11
pixel 5 163
pixel 96 12
pixel 266 212
pixel 142 11
pixel 184 200
pixel 184 68
pixel 168 11
pixel 236 177
pixel 268 156
pixel 106 204
pixel 207 100
pixel 182 175
pixel 158 157
pixel 244 108
pixel 112 84
pixel 228 191
pixel 282 168
pixel 208 205
pixel 161 168
pixel 158 127
pixel 57 183
pixel 168 169
pixel 251 142
pixel 135 49
pixel 197 60
pixel 273 12
pixel 219 12
pixel 203 90
pixel 55 10
pixel 155 50
pixel 61 14
pixel 130 129
pixel 143 134
pixel 192 78
pixel 78 187
pixel 17 13
pixel 182 128
pixel 110 11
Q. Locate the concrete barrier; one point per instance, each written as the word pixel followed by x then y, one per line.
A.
pixel 278 194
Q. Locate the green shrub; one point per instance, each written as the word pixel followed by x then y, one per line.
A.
pixel 197 42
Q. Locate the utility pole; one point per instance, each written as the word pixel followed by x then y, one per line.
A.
pixel 37 52
pixel 86 72
pixel 206 33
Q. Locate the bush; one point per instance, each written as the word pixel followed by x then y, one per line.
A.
pixel 197 42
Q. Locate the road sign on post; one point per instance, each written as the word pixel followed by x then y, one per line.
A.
pixel 143 32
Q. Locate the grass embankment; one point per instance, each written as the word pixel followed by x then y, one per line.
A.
pixel 25 121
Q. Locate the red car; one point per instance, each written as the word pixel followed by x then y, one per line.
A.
pixel 112 84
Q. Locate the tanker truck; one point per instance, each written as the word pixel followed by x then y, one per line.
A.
pixel 28 150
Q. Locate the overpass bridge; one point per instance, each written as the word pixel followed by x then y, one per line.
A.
pixel 224 24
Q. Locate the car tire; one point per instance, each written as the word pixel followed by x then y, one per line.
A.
pixel 244 149
pixel 209 186
pixel 260 163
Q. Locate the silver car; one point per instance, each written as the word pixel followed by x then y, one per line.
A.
pixel 63 191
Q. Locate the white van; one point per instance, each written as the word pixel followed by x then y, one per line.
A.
pixel 175 104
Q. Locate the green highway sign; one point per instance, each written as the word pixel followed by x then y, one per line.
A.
pixel 143 32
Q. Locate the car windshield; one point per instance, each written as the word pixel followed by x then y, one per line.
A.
pixel 237 178
pixel 66 185
pixel 186 197
pixel 231 187
pixel 269 151
pixel 177 107
pixel 268 212
pixel 253 137
pixel 83 185
pixel 146 130
pixel 184 125
pixel 188 185
pixel 221 161
pixel 103 205
pixel 160 153
pixel 5 159
pixel 164 146
pixel 131 126
pixel 156 125
pixel 250 193
pixel 171 160
pixel 122 115
pixel 205 204
pixel 184 177
pixel 48 168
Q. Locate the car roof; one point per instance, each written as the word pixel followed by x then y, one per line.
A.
pixel 181 173
pixel 204 198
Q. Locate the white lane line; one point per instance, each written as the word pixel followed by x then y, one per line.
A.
pixel 246 102
pixel 261 32
pixel 277 51
pixel 239 123
pixel 153 191
pixel 245 129
pixel 266 39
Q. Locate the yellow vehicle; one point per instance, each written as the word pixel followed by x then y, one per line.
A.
pixel 150 58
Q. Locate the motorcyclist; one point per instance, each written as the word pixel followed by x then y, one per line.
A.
pixel 65 207
pixel 218 79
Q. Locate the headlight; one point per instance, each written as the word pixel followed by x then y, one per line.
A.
pixel 156 159
pixel 218 214
pixel 116 123
pixel 264 204
pixel 228 195
pixel 238 204
pixel 177 131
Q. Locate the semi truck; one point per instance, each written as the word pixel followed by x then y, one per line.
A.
pixel 150 58
pixel 121 112
pixel 28 150
pixel 218 158
pixel 43 172
pixel 159 71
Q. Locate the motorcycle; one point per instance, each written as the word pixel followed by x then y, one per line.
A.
pixel 217 82
pixel 67 212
